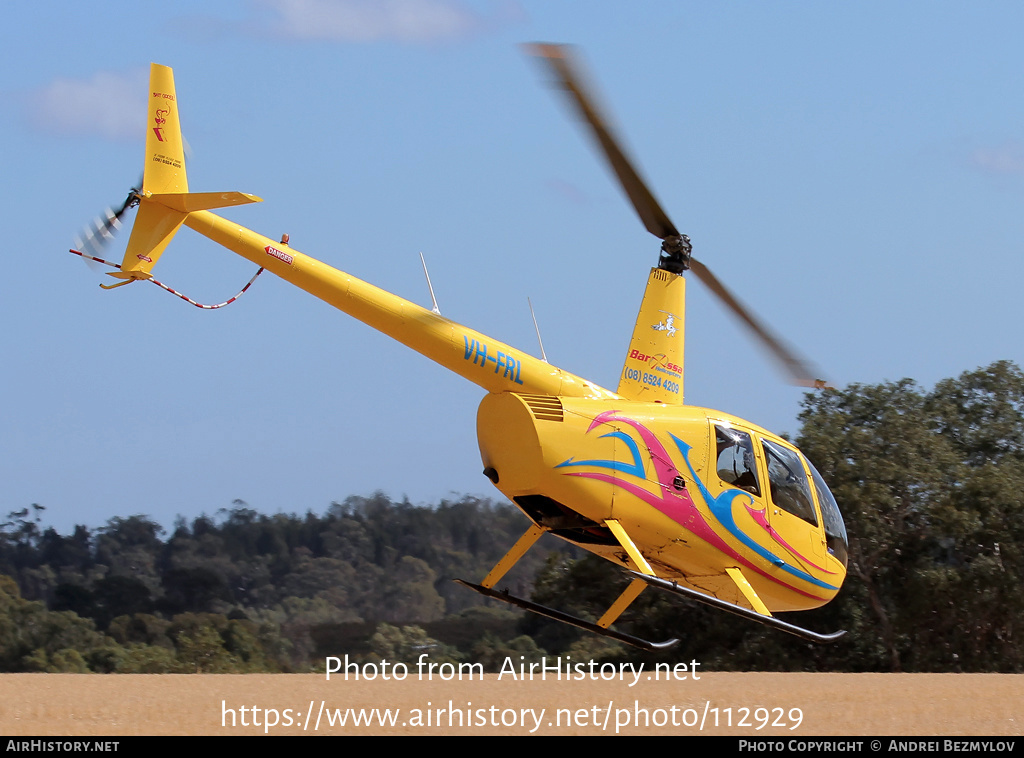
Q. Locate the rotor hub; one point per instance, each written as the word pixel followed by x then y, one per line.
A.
pixel 675 254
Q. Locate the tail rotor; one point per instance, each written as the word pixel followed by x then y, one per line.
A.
pixel 97 235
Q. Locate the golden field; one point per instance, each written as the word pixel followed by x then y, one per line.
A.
pixel 816 704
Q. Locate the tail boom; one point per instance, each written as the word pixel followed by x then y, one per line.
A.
pixel 493 365
pixel 165 205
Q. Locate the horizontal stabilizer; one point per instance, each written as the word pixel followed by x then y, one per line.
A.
pixel 160 217
pixel 186 202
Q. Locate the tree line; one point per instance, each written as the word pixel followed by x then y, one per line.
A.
pixel 931 483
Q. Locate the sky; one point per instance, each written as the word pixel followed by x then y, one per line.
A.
pixel 854 171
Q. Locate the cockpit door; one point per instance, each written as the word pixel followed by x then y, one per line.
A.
pixel 791 510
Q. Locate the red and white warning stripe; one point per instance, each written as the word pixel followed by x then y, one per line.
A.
pixel 209 307
pixel 174 291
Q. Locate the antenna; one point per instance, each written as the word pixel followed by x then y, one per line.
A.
pixel 433 299
pixel 543 355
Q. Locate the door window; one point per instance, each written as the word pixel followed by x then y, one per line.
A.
pixel 788 483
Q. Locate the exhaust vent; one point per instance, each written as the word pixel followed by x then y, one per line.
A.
pixel 544 407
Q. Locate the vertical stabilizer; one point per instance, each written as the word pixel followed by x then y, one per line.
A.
pixel 165 202
pixel 653 371
pixel 164 173
pixel 165 150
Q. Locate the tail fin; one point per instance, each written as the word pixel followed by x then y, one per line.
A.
pixel 165 150
pixel 165 202
pixel 653 371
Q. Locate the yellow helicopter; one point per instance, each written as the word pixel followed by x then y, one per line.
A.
pixel 689 500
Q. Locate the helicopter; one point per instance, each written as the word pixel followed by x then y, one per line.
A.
pixel 689 500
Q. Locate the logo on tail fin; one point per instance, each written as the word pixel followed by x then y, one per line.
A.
pixel 160 118
pixel 666 325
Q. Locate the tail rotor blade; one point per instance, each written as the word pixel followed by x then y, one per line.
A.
pixel 104 227
pixel 98 235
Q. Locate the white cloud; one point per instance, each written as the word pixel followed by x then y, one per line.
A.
pixel 1005 159
pixel 373 20
pixel 110 105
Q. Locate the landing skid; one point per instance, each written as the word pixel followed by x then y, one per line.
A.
pixel 567 619
pixel 746 613
pixel 640 581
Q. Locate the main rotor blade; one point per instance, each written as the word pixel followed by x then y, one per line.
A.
pixel 561 61
pixel 799 369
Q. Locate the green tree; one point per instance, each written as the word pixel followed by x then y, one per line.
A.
pixel 35 639
pixel 493 653
pixel 932 487
pixel 407 644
